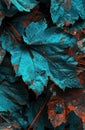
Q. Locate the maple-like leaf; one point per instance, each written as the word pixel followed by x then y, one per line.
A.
pixel 44 56
pixel 66 12
pixel 51 44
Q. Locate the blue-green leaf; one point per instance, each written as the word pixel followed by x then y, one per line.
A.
pixel 37 33
pixel 25 5
pixel 67 11
pixel 13 94
pixel 44 56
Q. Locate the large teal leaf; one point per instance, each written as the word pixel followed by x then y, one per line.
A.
pixel 44 56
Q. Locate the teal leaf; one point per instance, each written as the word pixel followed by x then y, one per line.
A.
pixel 40 35
pixel 30 69
pixel 13 93
pixel 25 5
pixel 44 56
pixel 67 11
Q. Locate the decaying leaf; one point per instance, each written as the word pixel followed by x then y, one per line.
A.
pixel 69 101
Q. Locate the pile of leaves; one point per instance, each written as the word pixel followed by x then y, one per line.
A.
pixel 42 42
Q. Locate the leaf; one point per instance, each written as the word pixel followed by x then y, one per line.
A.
pixel 72 103
pixel 25 5
pixel 44 57
pixel 19 23
pixel 13 94
pixel 5 12
pixel 40 35
pixel 50 44
pixel 26 66
pixel 67 12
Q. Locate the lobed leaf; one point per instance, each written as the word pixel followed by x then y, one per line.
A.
pixel 45 56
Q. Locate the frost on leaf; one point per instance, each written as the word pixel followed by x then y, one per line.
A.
pixel 66 12
pixel 44 56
